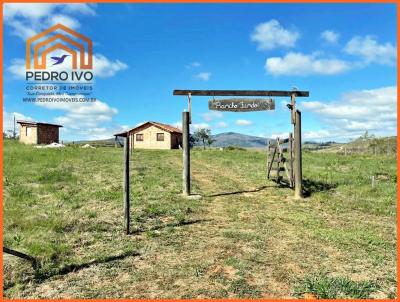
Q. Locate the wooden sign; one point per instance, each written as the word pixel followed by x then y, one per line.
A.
pixel 241 105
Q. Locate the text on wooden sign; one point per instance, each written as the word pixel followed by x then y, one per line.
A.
pixel 241 105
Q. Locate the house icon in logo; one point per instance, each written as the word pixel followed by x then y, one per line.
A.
pixel 51 39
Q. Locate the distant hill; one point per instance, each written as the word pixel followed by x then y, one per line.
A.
pixel 100 142
pixel 221 140
pixel 238 139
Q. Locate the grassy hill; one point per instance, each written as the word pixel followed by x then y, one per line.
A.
pixel 246 238
pixel 364 145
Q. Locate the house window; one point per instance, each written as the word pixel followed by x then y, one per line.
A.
pixel 139 137
pixel 28 131
pixel 160 137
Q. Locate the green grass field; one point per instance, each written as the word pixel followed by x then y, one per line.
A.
pixel 246 237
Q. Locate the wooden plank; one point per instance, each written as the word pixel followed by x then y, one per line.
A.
pixel 281 150
pixel 277 169
pixel 278 149
pixel 281 160
pixel 270 164
pixel 291 160
pixel 126 185
pixel 186 153
pixel 298 173
pixel 241 105
pixel 241 92
pixel 292 107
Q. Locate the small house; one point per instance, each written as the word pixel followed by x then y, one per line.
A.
pixel 153 135
pixel 38 133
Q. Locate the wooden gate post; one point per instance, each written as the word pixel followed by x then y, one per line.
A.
pixel 126 184
pixel 291 160
pixel 298 172
pixel 186 153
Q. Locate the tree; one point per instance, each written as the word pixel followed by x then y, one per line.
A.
pixel 210 140
pixel 203 135
pixel 192 140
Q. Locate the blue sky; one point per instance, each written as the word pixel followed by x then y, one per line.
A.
pixel 339 52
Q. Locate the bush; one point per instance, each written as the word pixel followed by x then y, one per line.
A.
pixel 325 287
pixel 229 148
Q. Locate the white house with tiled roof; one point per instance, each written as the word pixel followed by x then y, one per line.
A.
pixel 153 135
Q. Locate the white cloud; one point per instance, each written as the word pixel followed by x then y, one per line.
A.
pixel 17 68
pixel 21 30
pixel 301 65
pixel 93 109
pixel 198 126
pixel 243 122
pixel 89 120
pixel 27 19
pixel 271 34
pixel 8 121
pixel 104 68
pixel 204 76
pixel 356 112
pixel 212 115
pixel 81 8
pixel 279 135
pixel 221 125
pixel 65 20
pixel 96 133
pixel 316 135
pixel 193 65
pixel 371 51
pixel 28 10
pixel 330 36
pixel 177 124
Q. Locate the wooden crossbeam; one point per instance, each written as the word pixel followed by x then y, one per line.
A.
pixel 277 169
pixel 242 92
pixel 270 164
pixel 282 160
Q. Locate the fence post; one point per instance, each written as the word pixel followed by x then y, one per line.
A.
pixel 291 160
pixel 298 183
pixel 126 184
pixel 131 143
pixel 186 153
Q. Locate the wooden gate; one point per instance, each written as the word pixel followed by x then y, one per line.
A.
pixel 291 165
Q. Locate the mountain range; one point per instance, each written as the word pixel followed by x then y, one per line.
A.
pixel 237 139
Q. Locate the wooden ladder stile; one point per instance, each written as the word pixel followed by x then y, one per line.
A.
pixel 291 179
pixel 281 150
pixel 271 162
